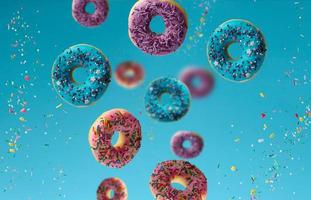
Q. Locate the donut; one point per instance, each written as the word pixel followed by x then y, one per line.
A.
pixel 173 110
pixel 84 18
pixel 253 46
pixel 100 136
pixel 93 62
pixel 129 74
pixel 111 186
pixel 144 38
pixel 206 81
pixel 177 144
pixel 182 172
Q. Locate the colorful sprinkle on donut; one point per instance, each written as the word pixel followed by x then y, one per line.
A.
pixel 112 189
pixel 128 144
pixel 182 172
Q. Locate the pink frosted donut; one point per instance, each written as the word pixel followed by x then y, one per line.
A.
pixel 100 136
pixel 180 137
pixel 206 81
pixel 182 172
pixel 86 19
pixel 152 43
pixel 129 74
pixel 111 186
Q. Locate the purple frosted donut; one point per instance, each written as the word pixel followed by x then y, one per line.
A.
pixel 177 144
pixel 175 21
pixel 84 18
pixel 206 81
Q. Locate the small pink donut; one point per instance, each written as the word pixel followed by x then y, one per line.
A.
pixel 129 74
pixel 182 172
pixel 175 26
pixel 206 81
pixel 101 132
pixel 112 184
pixel 86 19
pixel 196 144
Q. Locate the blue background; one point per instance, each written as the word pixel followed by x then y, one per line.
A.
pixel 53 159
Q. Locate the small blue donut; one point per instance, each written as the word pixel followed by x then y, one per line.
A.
pixel 253 47
pixel 180 99
pixel 94 62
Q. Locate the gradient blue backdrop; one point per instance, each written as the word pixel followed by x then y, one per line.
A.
pixel 54 160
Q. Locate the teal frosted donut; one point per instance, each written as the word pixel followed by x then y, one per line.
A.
pixel 176 108
pixel 253 47
pixel 93 62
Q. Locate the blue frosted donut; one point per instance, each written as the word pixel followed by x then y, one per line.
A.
pixel 176 108
pixel 90 59
pixel 253 47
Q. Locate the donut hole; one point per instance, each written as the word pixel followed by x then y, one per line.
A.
pixel 234 51
pixel 117 139
pixel 129 73
pixel 78 75
pixel 179 183
pixel 196 82
pixel 166 98
pixel 186 144
pixel 110 194
pixel 90 8
pixel 157 25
